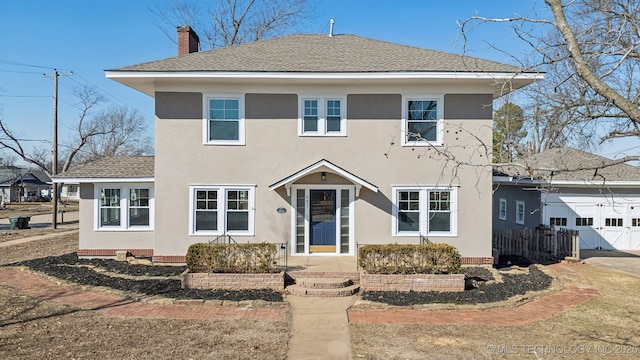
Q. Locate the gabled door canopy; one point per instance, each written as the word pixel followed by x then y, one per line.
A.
pixel 331 168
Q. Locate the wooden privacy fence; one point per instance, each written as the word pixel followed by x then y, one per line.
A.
pixel 539 244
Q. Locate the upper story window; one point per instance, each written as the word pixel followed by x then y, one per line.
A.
pixel 224 124
pixel 124 207
pixel 423 121
pixel 322 117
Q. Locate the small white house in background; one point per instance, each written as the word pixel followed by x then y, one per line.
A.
pixel 309 141
pixel 70 192
pixel 17 184
pixel 603 204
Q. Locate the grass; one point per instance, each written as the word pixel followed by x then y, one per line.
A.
pixel 33 208
pixel 8 235
pixel 607 325
pixel 32 328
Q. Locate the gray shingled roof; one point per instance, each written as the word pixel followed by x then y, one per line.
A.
pixel 565 161
pixel 321 53
pixel 112 167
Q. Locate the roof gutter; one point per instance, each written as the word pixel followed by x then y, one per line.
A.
pixel 116 74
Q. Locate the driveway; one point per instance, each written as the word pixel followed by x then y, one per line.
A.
pixel 624 261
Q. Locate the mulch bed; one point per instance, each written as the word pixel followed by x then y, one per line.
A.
pixel 486 291
pixel 90 272
pixel 159 280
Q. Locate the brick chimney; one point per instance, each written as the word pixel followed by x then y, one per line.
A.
pixel 188 40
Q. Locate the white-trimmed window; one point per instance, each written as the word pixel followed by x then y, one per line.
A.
pixel 224 122
pixel 322 117
pixel 423 122
pixel 425 211
pixel 139 208
pixel 124 207
pixel 218 210
pixel 520 212
pixel 502 210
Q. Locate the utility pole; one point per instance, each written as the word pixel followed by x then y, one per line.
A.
pixel 54 152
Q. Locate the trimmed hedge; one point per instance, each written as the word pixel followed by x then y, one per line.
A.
pixel 410 259
pixel 232 258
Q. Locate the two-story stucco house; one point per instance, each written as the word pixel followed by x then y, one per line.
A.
pixel 317 141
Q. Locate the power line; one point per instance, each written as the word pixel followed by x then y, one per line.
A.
pixel 16 63
pixel 26 96
pixel 21 72
pixel 26 140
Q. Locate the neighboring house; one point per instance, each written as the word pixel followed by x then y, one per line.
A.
pixel 318 142
pixel 70 192
pixel 603 204
pixel 17 184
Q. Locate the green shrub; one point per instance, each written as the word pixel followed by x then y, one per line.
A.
pixel 232 258
pixel 410 259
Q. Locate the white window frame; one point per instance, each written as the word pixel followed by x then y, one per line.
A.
pixel 322 116
pixel 520 212
pixel 424 210
pixel 439 98
pixel 125 193
pixel 206 128
pixel 222 210
pixel 502 209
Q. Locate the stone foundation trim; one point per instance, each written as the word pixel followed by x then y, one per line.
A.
pixel 170 259
pixel 412 282
pixel 88 253
pixel 465 260
pixel 226 281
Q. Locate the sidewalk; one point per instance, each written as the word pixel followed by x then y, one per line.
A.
pixel 43 221
pixel 320 328
pixel 70 224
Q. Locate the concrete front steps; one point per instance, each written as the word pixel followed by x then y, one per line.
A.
pixel 325 284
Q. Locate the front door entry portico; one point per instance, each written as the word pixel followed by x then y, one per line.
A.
pixel 322 236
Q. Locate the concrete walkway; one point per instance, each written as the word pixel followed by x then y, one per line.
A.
pixel 70 224
pixel 43 221
pixel 320 328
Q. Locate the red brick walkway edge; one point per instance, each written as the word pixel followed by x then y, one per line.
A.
pixel 540 308
pixel 110 305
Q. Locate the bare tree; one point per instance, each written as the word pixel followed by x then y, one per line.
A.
pixel 102 131
pixel 230 22
pixel 121 131
pixel 590 53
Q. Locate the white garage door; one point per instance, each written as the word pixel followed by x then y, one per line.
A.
pixel 604 222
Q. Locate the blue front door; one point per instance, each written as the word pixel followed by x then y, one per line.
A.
pixel 323 221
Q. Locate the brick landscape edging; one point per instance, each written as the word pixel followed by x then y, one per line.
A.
pixel 232 281
pixel 412 282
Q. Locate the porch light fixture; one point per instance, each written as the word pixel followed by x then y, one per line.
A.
pixel 323 176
